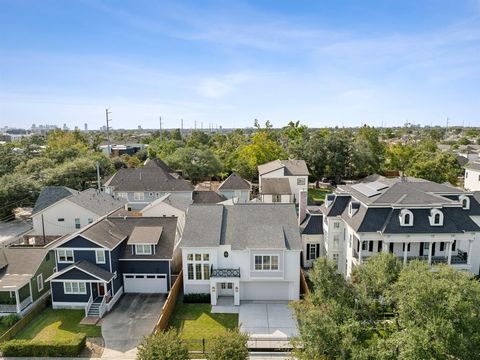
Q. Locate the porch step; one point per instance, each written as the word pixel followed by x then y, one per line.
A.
pixel 94 310
pixel 224 309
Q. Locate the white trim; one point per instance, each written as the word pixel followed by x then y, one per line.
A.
pixel 68 305
pixel 115 298
pixel 39 282
pixel 433 214
pixel 68 268
pixel 143 248
pixel 402 215
pixel 57 252
pixel 104 257
pixel 270 256
pixel 72 292
pixel 145 259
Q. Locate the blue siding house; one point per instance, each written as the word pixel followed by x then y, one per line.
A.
pixel 112 256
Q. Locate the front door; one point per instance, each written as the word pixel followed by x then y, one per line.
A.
pixel 101 289
pixel 226 289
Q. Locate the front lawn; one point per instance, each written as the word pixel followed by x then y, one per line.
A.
pixel 3 328
pixel 194 322
pixel 59 325
pixel 317 195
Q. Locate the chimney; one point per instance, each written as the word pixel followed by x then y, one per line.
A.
pixel 302 205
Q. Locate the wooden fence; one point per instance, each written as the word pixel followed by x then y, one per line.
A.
pixel 26 319
pixel 169 305
pixel 303 284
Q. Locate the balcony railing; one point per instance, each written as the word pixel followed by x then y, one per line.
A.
pixel 224 273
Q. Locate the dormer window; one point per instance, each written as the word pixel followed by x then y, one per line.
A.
pixel 353 208
pixel 465 200
pixel 329 199
pixel 143 249
pixel 406 218
pixel 436 217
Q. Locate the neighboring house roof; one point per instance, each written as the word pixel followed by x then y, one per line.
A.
pixel 21 265
pixel 473 165
pixel 292 167
pixel 96 201
pixel 207 197
pixel 156 162
pixel 50 195
pixel 151 178
pixel 276 186
pixel 234 182
pixel 312 225
pixel 145 235
pixel 243 226
pixel 177 201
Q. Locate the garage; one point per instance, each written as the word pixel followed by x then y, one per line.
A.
pixel 145 283
pixel 260 291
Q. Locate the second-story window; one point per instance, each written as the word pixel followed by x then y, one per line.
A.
pixel 336 225
pixel 77 223
pixel 138 196
pixel 198 266
pixel 100 256
pixel 65 256
pixel 266 262
pixel 143 249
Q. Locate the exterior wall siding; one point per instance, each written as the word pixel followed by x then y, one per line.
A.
pixel 146 267
pixel 46 269
pixel 58 294
pixel 88 255
pixel 150 196
pixel 472 180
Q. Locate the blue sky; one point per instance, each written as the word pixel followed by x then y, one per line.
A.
pixel 325 63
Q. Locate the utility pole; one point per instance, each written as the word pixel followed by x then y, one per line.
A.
pixel 43 231
pixel 107 113
pixel 195 124
pixel 446 131
pixel 98 176
pixel 181 126
pixel 161 135
pixel 201 125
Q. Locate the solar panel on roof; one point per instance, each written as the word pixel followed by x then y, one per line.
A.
pixel 365 190
pixel 377 185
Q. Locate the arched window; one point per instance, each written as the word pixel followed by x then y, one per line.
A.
pixel 436 217
pixel 406 218
pixel 465 200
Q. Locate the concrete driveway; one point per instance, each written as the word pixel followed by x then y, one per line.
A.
pixel 9 231
pixel 269 324
pixel 131 319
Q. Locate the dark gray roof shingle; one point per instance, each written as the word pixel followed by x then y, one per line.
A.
pixel 207 197
pixel 50 195
pixel 312 225
pixel 276 186
pixel 234 182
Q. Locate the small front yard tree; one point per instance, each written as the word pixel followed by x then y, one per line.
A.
pixel 231 345
pixel 163 345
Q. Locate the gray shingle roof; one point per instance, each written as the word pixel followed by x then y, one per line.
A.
pixel 50 195
pixel 160 164
pixel 276 186
pixel 234 182
pixel 93 269
pixel 243 226
pixel 312 225
pixel 292 167
pixel 145 235
pixel 207 197
pixel 96 201
pixel 473 165
pixel 151 178
pixel 21 265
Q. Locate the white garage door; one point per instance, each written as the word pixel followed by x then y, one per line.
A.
pixel 265 291
pixel 145 283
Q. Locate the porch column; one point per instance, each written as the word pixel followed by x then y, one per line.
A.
pixel 430 253
pixel 236 292
pixel 385 246
pixel 17 300
pixel 213 293
pixel 405 252
pixel 449 261
pixel 360 251
pixel 469 255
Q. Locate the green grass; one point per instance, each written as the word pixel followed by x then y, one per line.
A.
pixel 315 195
pixel 60 325
pixel 3 329
pixel 194 322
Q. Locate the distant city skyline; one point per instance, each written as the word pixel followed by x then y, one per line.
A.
pixel 325 64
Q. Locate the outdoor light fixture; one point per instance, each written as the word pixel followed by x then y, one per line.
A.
pixel 225 254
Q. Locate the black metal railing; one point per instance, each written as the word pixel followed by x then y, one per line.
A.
pixel 224 272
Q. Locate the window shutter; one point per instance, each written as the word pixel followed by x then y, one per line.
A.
pixel 454 245
pixel 308 251
pixel 370 246
pixel 380 246
pixel 318 250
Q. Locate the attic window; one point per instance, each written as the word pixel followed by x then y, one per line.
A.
pixel 353 208
pixel 465 200
pixel 406 218
pixel 329 199
pixel 436 217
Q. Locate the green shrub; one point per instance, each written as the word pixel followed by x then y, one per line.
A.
pixel 231 345
pixel 196 299
pixel 36 348
pixel 163 345
pixel 10 320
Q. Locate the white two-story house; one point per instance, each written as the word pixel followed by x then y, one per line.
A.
pixel 282 180
pixel 472 176
pixel 412 218
pixel 242 252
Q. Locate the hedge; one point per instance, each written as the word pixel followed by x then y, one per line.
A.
pixel 36 348
pixel 196 298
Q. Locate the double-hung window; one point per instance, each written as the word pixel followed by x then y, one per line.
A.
pixel 198 266
pixel 74 287
pixel 313 251
pixel 65 256
pixel 40 282
pixel 266 262
pixel 77 223
pixel 143 249
pixel 100 256
pixel 139 196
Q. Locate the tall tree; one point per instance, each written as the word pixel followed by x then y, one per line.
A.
pixel 196 164
pixel 368 152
